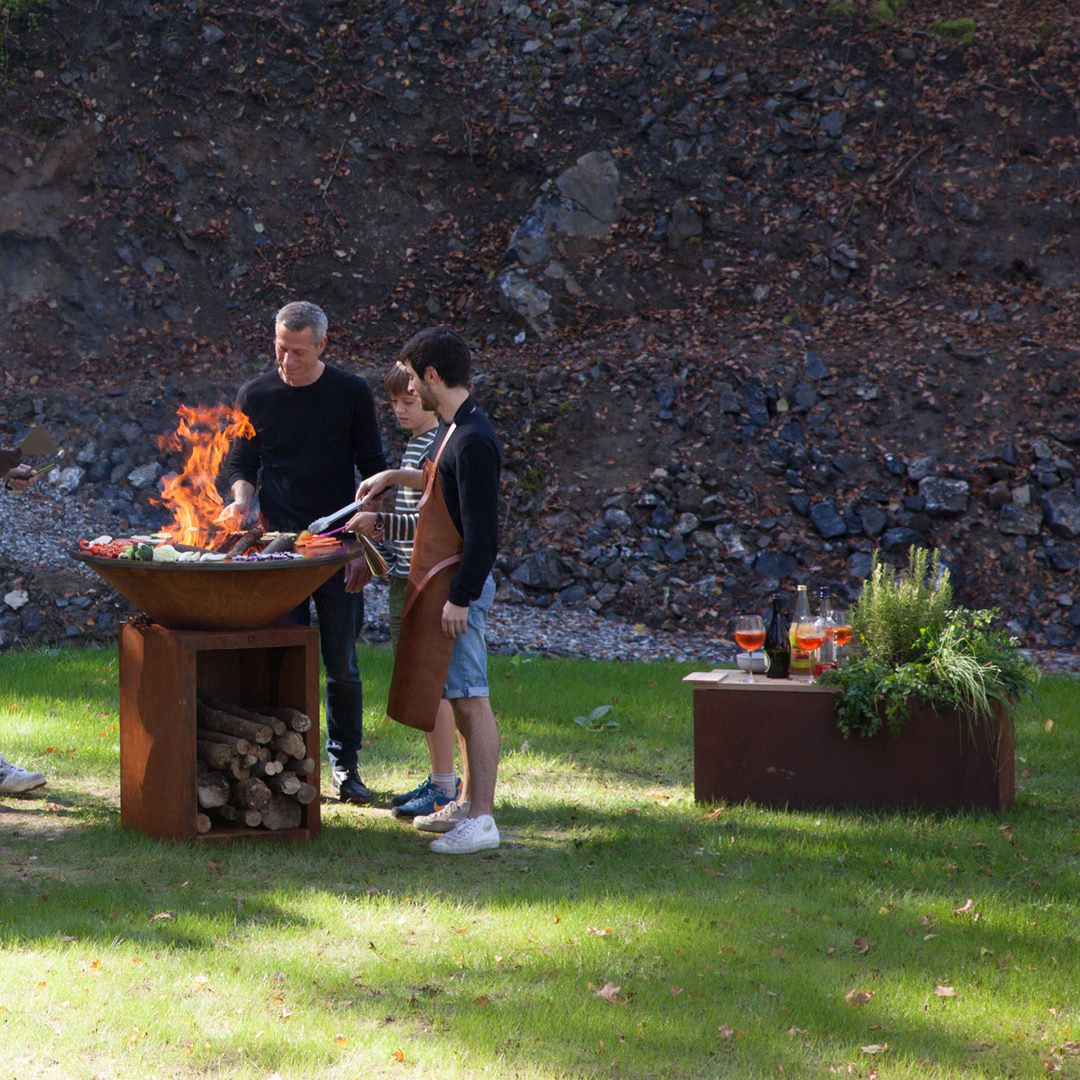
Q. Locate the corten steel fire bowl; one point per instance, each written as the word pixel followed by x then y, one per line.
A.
pixel 220 595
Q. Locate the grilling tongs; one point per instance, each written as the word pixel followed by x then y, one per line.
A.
pixel 321 525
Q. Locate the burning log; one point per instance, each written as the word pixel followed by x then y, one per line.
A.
pixel 227 723
pixel 281 542
pixel 252 536
pixel 213 789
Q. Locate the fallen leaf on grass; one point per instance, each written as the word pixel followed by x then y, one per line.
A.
pixel 726 1033
pixel 855 998
pixel 713 814
pixel 875 1048
pixel 676 991
pixel 482 1002
pixel 600 932
pixel 861 945
pixel 399 1055
pixel 968 905
pixel 340 1040
pixel 213 867
pixel 1049 725
pixel 940 990
pixel 1006 831
pixel 163 915
pixel 609 993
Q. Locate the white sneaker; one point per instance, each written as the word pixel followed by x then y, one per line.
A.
pixel 17 781
pixel 472 834
pixel 443 819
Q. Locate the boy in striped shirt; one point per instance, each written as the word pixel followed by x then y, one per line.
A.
pixel 442 785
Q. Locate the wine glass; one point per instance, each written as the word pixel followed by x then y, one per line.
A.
pixel 809 635
pixel 841 630
pixel 749 635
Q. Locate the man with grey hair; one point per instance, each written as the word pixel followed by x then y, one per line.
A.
pixel 315 428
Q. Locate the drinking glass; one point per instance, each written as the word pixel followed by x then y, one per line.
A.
pixel 841 630
pixel 809 635
pixel 749 635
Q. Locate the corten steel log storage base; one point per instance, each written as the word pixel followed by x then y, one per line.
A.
pixel 775 742
pixel 160 673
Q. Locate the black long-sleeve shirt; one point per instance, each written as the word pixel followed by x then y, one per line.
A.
pixel 469 471
pixel 309 440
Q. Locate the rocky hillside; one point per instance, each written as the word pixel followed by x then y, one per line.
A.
pixel 756 288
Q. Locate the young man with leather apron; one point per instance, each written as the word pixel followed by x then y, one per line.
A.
pixel 441 649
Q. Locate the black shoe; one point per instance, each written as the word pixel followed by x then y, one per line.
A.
pixel 350 788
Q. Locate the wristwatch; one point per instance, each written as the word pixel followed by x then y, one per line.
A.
pixel 379 523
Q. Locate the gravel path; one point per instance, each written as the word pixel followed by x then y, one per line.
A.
pixel 38 527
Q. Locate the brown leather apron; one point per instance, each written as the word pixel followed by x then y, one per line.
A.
pixel 423 651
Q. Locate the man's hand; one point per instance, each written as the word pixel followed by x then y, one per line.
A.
pixel 357 575
pixel 236 513
pixel 362 522
pixel 454 620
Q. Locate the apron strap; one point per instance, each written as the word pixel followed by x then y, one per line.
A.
pixel 442 565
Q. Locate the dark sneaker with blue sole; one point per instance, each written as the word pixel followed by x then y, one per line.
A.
pixel 427 802
pixel 350 788
pixel 408 796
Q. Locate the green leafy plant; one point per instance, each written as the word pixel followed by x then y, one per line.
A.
pixel 962 30
pixel 598 719
pixel 917 647
pixel 895 607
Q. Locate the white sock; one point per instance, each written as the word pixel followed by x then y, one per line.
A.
pixel 446 783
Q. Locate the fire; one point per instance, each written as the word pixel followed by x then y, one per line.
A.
pixel 191 496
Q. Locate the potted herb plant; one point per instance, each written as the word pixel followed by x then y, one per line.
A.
pixel 918 650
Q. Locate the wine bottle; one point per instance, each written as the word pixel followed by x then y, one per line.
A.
pixel 827 651
pixel 800 658
pixel 777 643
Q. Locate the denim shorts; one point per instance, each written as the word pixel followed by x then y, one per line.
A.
pixel 467 676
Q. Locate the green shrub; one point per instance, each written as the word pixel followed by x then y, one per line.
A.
pixel 917 647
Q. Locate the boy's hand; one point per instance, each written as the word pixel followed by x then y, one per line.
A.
pixel 363 522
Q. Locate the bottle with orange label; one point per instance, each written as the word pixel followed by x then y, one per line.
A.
pixel 800 658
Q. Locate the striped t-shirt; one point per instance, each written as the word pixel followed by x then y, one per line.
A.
pixel 406 500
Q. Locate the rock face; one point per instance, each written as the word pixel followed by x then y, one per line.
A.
pixel 579 206
pixel 734 333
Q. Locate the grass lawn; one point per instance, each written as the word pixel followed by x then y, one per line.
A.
pixel 621 930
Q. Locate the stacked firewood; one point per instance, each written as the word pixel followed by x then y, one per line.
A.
pixel 253 766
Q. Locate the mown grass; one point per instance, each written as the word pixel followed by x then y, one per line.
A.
pixel 735 935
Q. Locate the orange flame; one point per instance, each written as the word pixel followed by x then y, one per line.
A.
pixel 191 496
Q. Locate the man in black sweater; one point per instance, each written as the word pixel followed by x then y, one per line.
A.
pixel 315 427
